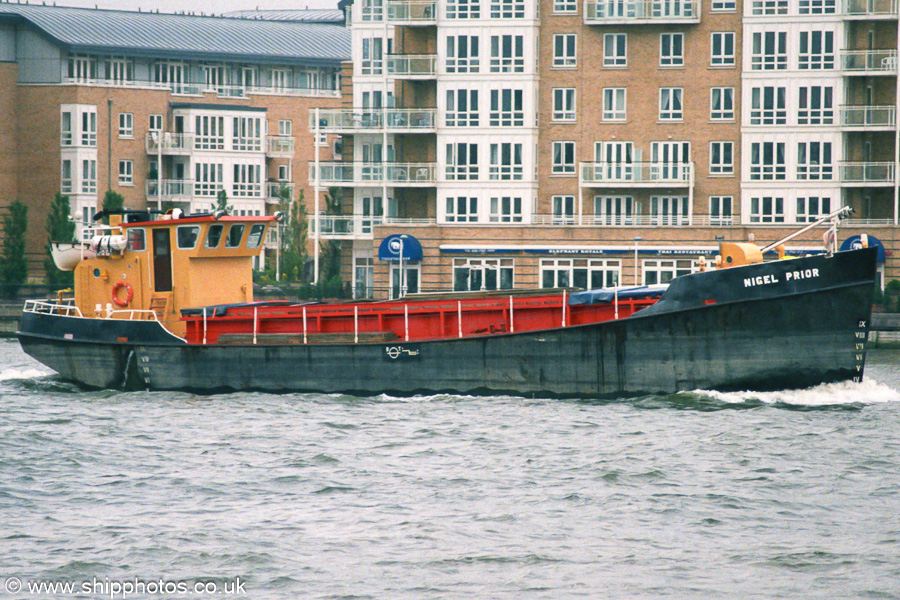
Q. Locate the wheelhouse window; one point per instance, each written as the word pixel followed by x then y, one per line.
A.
pixel 254 239
pixel 214 235
pixel 187 236
pixel 137 239
pixel 235 233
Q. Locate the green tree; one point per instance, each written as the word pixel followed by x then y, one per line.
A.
pixel 330 263
pixel 14 266
pixel 294 235
pixel 113 201
pixel 59 229
pixel 222 202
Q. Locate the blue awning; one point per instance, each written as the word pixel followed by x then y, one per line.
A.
pixel 393 246
pixel 854 243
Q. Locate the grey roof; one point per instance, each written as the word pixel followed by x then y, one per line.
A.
pixel 303 16
pixel 164 34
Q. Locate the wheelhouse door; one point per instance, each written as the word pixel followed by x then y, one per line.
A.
pixel 162 260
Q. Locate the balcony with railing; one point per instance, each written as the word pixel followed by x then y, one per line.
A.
pixel 274 189
pixel 870 9
pixel 375 120
pixel 637 174
pixel 280 146
pixel 199 89
pixel 412 66
pixel 641 12
pixel 866 174
pixel 356 227
pixel 869 62
pixel 412 12
pixel 171 190
pixel 166 142
pixel 374 174
pixel 868 118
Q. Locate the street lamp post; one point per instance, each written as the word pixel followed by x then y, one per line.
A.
pixel 636 240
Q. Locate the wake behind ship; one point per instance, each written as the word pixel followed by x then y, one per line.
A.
pixel 185 319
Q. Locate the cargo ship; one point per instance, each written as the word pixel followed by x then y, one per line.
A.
pixel 165 302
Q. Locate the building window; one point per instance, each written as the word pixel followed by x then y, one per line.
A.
pixel 284 172
pixel 564 104
pixel 506 161
pixel 580 273
pixel 126 172
pixel 724 5
pixel 462 161
pixel 614 104
pixel 171 74
pixel 564 50
pixel 815 106
pixel 156 123
pixel 462 54
pixel 769 7
pixel 507 108
pixel 767 160
pixel 668 210
pixel 247 181
pixel 816 50
pixel 89 128
pixel 614 211
pixel 769 51
pixel 507 9
pixel 363 277
pixel 208 179
pixel 281 80
pixel 671 50
pixel 812 208
pixel 507 54
pixel 664 271
pixel 721 104
pixel 768 106
pixel 670 106
pixel 720 210
pixel 81 69
pixel 462 108
pixel 285 127
pixel 563 210
pixel 767 209
pixel 615 50
pixel 565 6
pixel 372 56
pixel 506 209
pixel 479 274
pixel 462 209
pixel 722 51
pixel 563 158
pixel 247 134
pixel 814 161
pixel 118 70
pixel 817 7
pixel 65 129
pixel 89 176
pixel 209 132
pixel 721 158
pixel 65 180
pixel 463 9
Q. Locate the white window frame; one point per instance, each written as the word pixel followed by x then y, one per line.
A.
pixel 563 209
pixel 615 50
pixel 564 104
pixel 562 152
pixel 565 51
pixel 812 208
pixel 768 105
pixel 721 211
pixel 721 158
pixel 671 104
pixel 767 209
pixel 580 272
pixel 126 172
pixel 126 125
pixel 721 104
pixel 506 163
pixel 462 108
pixel 506 209
pixel 485 273
pixel 815 161
pixel 671 50
pixel 615 104
pixel 507 108
pixel 768 161
pixel 816 51
pixel 769 51
pixel 507 54
pixel 721 49
pixel 461 209
pixel 463 54
pixel 815 105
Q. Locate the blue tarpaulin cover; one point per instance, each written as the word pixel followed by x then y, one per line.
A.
pixel 607 295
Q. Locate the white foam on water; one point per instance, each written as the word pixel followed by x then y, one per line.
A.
pixel 25 373
pixel 868 391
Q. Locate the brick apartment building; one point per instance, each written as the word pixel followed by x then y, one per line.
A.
pixel 165 109
pixel 549 143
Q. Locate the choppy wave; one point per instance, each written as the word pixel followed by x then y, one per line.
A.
pixel 22 373
pixel 832 394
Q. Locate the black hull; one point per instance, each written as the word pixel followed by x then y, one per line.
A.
pixel 814 332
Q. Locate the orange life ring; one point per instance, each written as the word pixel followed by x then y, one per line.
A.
pixel 129 293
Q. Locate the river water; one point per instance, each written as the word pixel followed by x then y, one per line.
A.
pixel 694 495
